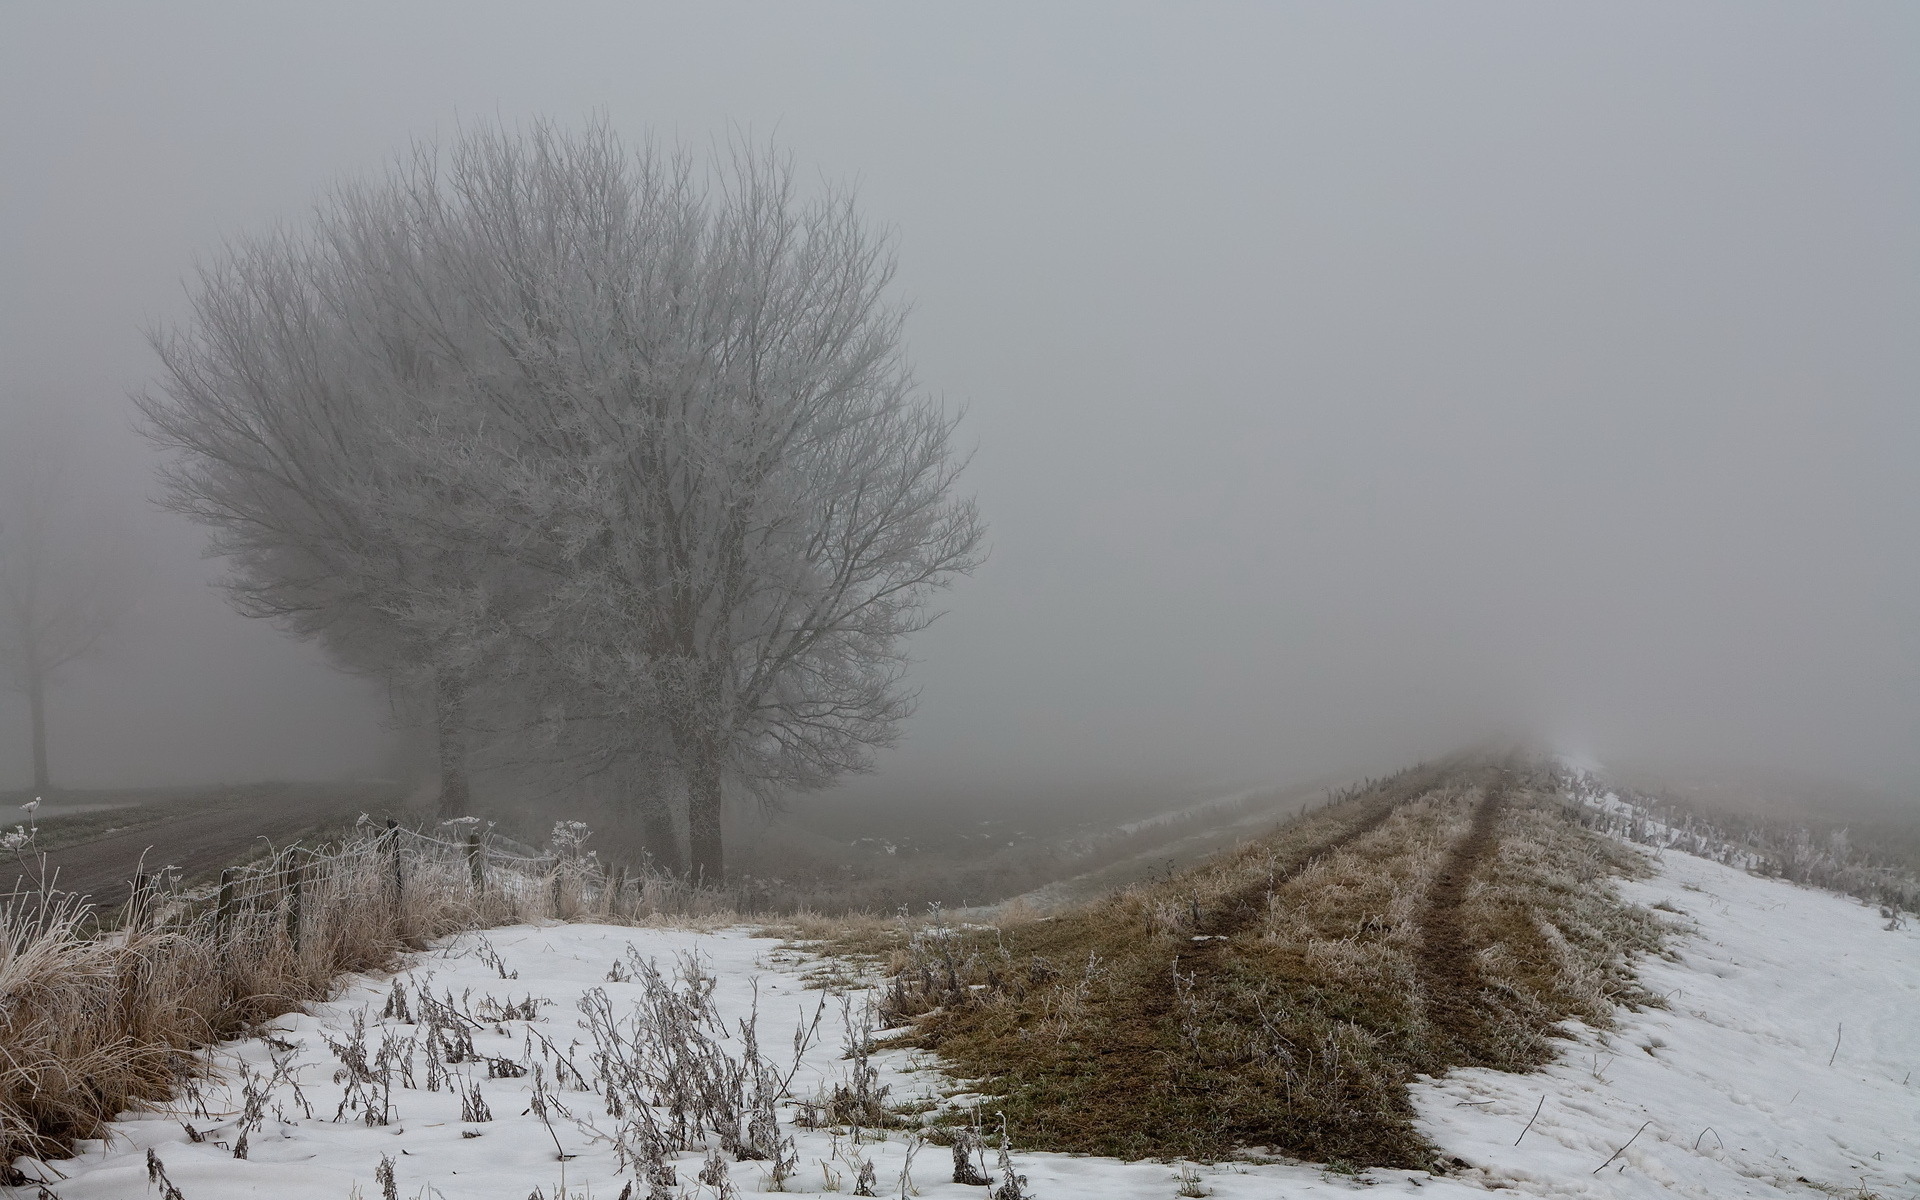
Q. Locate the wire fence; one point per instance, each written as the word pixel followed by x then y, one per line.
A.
pixel 422 884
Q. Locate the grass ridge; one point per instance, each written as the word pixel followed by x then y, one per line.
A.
pixel 1279 999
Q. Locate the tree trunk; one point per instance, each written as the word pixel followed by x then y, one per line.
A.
pixel 703 817
pixel 449 710
pixel 656 829
pixel 37 709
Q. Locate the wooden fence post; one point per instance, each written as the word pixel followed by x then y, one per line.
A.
pixel 290 879
pixel 475 864
pixel 223 915
pixel 393 848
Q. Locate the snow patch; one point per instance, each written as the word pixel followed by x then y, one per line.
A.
pixel 1785 1063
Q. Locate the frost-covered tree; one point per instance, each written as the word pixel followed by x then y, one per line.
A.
pixel 636 430
pixel 297 400
pixel 702 429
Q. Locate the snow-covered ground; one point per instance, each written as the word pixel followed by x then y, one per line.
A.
pixel 1786 1063
pixel 1735 1089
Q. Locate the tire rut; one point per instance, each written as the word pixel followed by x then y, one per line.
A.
pixel 1207 968
pixel 1221 923
pixel 1240 909
pixel 1450 982
pixel 1227 1041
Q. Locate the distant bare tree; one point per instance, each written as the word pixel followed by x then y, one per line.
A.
pixel 64 583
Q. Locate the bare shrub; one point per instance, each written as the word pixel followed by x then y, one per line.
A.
pixel 673 1073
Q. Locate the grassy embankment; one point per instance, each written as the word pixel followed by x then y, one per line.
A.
pixel 1281 997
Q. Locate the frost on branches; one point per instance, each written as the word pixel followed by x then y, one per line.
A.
pixel 613 455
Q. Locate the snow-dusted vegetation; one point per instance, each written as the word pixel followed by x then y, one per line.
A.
pixel 1780 1066
pixel 1775 1058
pixel 1785 849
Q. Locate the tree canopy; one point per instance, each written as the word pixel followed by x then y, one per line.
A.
pixel 621 443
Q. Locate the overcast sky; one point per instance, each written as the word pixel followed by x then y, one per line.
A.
pixel 1347 380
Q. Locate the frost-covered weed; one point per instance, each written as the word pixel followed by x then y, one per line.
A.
pixel 94 1025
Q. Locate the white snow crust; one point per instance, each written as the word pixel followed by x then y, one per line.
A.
pixel 1785 1063
pixel 1730 1086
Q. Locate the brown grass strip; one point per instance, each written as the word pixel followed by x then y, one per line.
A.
pixel 1279 998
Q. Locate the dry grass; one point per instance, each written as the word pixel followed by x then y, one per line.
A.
pixel 1281 997
pixel 1278 997
pixel 1555 941
pixel 97 1018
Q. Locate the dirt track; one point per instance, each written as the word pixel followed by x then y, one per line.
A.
pixel 199 841
pixel 1210 960
pixel 1239 911
pixel 1450 979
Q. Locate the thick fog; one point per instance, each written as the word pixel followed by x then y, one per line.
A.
pixel 1345 382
